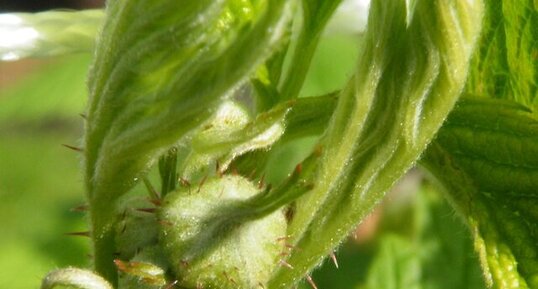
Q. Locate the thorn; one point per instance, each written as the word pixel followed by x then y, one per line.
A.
pixel 81 208
pixel 147 210
pixel 123 214
pixel 261 183
pixel 217 169
pixel 201 183
pixel 165 223
pixel 184 182
pixel 83 116
pixel 283 238
pixel 290 246
pixel 333 257
pixel 311 282
pixel 299 168
pixel 286 264
pixel 234 171
pixel 77 149
pixel 261 285
pixel 229 278
pixel 169 286
pixel 156 202
pixel 124 228
pixel 122 266
pixel 79 234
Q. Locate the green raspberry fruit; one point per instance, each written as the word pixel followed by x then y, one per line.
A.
pixel 208 243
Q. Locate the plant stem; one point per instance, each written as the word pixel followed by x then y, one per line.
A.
pixel 300 63
pixel 102 216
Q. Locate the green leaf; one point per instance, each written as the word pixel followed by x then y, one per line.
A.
pixel 160 70
pixel 506 63
pixel 409 76
pixel 486 156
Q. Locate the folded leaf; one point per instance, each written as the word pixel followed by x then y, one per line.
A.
pixel 160 70
pixel 411 72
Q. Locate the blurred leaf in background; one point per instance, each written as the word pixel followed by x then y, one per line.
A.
pixel 39 178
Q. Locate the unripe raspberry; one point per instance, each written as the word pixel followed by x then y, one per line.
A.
pixel 209 245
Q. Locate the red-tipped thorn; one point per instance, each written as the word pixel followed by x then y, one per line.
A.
pixel 81 208
pixel 79 234
pixel 291 247
pixel 156 202
pixel 311 282
pixel 77 149
pixel 231 280
pixel 283 238
pixel 298 168
pixel 165 223
pixel 286 264
pixel 147 210
pixel 184 182
pixel 333 257
pixel 202 182
pixel 122 266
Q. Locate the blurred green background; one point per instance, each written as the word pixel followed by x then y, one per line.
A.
pixel 413 240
